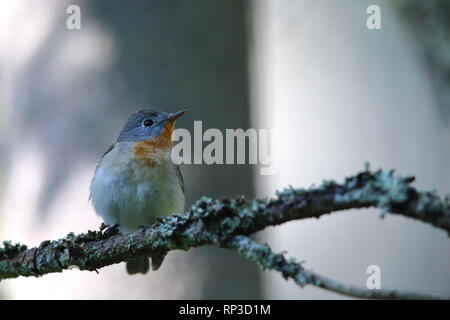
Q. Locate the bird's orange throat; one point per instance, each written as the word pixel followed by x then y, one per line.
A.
pixel 155 150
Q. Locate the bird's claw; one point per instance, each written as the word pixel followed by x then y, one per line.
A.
pixel 111 231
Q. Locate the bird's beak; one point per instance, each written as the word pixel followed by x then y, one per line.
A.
pixel 175 116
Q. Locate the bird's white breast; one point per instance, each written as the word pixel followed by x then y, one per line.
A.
pixel 131 193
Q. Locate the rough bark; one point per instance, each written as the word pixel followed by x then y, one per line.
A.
pixel 227 223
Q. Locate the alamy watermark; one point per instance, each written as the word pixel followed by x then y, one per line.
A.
pixel 374 280
pixel 373 21
pixel 73 21
pixel 262 147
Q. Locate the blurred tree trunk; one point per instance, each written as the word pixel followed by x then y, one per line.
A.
pixel 182 54
pixel 430 23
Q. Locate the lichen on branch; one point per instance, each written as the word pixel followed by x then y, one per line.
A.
pixel 227 223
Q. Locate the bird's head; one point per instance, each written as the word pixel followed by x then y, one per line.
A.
pixel 149 125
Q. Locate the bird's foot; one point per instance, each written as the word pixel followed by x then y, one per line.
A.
pixel 111 231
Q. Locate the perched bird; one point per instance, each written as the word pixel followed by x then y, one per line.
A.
pixel 136 180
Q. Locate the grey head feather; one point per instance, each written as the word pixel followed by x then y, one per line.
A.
pixel 144 125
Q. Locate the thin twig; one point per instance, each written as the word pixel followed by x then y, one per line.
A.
pixel 290 269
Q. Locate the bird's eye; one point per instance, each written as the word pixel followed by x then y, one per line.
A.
pixel 148 123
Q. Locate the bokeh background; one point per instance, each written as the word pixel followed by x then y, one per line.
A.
pixel 339 94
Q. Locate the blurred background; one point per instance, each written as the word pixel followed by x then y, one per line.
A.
pixel 339 94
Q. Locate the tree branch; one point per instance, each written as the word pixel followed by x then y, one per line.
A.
pixel 262 254
pixel 227 223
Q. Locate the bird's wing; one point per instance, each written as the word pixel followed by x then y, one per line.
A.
pixel 180 178
pixel 101 158
pixel 98 164
pixel 107 151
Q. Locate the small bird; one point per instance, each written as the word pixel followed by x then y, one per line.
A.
pixel 135 180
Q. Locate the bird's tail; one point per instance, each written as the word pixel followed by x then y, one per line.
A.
pixel 138 265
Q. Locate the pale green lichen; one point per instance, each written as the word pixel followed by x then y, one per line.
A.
pixel 327 185
pixel 130 242
pixel 64 258
pixel 289 193
pixel 217 222
pixel 262 254
pixel 6 271
pixel 429 202
pixel 10 250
